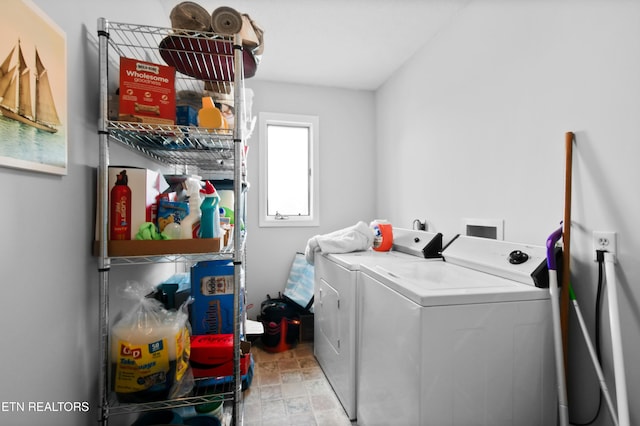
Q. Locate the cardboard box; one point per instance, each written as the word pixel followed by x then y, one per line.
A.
pixel 113 107
pixel 145 187
pixel 186 115
pixel 132 248
pixel 212 286
pixel 212 355
pixel 147 92
pixel 171 212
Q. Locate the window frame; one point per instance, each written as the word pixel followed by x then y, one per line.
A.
pixel 284 119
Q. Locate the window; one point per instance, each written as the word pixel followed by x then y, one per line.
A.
pixel 288 170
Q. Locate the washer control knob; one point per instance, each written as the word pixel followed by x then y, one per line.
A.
pixel 517 257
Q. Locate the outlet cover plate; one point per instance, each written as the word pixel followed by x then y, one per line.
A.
pixel 604 240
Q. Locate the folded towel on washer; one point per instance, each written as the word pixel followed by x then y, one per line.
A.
pixel 354 238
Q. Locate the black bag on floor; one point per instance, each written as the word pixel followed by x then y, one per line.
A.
pixel 280 317
pixel 281 320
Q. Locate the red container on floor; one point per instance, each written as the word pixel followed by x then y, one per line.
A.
pixel 282 336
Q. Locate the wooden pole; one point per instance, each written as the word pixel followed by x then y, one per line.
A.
pixel 566 242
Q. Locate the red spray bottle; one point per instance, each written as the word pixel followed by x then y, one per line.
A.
pixel 120 209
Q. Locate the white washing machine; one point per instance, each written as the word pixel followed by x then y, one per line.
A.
pixel 467 341
pixel 335 304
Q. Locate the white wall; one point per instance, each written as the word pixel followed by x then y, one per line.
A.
pixel 49 315
pixel 347 193
pixel 49 318
pixel 474 126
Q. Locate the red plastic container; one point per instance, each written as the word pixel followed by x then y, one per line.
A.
pixel 212 356
pixel 383 235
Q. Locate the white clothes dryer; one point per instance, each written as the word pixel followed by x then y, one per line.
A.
pixel 456 342
pixel 335 304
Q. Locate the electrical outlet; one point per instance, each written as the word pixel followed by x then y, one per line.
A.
pixel 604 241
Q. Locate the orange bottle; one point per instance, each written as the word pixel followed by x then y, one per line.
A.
pixel 382 235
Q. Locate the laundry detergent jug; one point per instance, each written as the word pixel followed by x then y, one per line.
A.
pixel 382 235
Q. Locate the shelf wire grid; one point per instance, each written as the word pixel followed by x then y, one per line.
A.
pixel 209 150
pixel 205 149
pixel 200 395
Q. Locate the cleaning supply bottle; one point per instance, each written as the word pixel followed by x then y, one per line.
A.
pixel 190 223
pixel 210 220
pixel 209 116
pixel 226 205
pixel 382 235
pixel 120 209
pixel 227 198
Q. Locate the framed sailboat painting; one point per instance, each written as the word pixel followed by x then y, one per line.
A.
pixel 33 90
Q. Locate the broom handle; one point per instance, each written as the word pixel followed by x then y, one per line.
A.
pixel 616 341
pixel 566 240
pixel 563 408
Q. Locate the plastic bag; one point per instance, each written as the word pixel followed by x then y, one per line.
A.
pixel 150 349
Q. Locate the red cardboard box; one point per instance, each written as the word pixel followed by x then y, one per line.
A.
pixel 212 355
pixel 147 92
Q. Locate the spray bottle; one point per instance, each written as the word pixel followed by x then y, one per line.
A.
pixel 120 209
pixel 190 223
pixel 210 220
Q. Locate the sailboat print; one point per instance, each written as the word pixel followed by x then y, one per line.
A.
pixel 15 94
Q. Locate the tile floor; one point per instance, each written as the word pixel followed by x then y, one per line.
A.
pixel 289 388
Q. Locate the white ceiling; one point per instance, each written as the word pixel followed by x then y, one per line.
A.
pixel 355 44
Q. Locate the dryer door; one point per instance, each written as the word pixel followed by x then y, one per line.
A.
pixel 327 313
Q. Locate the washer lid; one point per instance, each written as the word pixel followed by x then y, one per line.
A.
pixel 441 283
pixel 353 261
pixel 524 263
pixel 407 244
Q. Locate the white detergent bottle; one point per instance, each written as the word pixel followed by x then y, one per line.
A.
pixel 192 220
